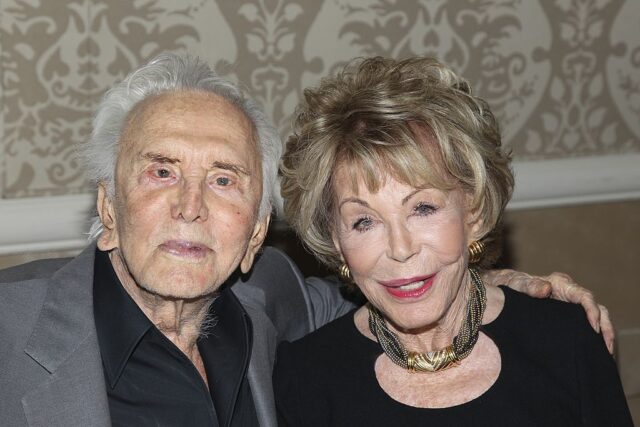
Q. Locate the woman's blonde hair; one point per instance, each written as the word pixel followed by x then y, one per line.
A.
pixel 412 119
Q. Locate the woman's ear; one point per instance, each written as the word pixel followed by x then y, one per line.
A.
pixel 474 221
pixel 108 239
pixel 476 228
pixel 336 244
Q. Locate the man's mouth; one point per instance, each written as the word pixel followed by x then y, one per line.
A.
pixel 185 249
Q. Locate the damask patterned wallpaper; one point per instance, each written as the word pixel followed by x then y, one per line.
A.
pixel 562 75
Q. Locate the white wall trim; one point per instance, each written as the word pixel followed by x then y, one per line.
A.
pixel 550 183
pixel 45 223
pixel 60 223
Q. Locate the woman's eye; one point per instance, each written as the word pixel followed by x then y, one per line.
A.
pixel 363 224
pixel 223 181
pixel 424 209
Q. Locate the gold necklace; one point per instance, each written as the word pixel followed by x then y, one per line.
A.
pixel 437 360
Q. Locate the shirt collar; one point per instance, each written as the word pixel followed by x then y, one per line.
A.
pixel 226 351
pixel 120 323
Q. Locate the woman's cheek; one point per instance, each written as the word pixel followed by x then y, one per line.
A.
pixel 450 242
pixel 353 241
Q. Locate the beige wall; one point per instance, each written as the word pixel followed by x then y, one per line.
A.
pixel 596 244
pixel 562 76
pixel 16 259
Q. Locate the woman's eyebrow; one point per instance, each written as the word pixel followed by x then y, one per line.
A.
pixel 354 200
pixel 410 195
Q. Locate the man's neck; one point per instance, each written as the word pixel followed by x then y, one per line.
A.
pixel 180 320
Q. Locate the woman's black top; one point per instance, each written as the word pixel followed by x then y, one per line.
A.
pixel 555 371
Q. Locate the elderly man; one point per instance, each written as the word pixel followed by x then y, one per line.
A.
pixel 144 327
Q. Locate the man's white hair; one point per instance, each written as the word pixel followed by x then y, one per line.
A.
pixel 166 73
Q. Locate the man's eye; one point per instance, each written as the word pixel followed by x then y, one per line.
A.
pixel 223 181
pixel 163 173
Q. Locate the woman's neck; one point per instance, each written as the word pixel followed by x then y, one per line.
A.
pixel 441 333
pixel 431 337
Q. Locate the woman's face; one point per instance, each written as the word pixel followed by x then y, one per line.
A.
pixel 406 248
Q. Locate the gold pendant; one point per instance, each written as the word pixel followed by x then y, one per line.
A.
pixel 433 361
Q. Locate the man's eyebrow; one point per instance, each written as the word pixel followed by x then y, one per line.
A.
pixel 157 157
pixel 231 167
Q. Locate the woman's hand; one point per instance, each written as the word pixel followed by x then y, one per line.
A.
pixel 558 286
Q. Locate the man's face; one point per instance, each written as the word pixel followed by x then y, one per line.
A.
pixel 188 188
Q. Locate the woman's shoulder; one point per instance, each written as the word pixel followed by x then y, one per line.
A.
pixel 521 306
pixel 321 360
pixel 535 319
pixel 330 338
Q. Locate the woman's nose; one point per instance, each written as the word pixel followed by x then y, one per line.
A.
pixel 401 243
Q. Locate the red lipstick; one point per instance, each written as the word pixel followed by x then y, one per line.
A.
pixel 412 287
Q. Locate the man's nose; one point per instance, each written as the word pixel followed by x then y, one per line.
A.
pixel 401 243
pixel 190 205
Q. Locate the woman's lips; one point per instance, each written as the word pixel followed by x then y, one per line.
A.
pixel 409 288
pixel 185 249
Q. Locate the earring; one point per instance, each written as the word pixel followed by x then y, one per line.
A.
pixel 345 273
pixel 476 250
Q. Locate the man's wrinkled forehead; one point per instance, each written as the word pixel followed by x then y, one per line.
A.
pixel 153 113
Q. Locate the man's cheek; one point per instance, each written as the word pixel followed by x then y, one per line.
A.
pixel 140 214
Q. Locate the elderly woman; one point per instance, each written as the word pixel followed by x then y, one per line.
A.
pixel 395 176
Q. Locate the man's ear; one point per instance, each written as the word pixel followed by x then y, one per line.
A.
pixel 108 239
pixel 257 238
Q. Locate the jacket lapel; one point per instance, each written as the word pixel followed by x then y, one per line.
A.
pixel 274 296
pixel 64 343
pixel 261 365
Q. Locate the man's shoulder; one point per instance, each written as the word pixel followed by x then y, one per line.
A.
pixel 23 288
pixel 21 301
pixel 32 270
pixel 275 286
pixel 295 305
pixel 273 265
pixel 27 283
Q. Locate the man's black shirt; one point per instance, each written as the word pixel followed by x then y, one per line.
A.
pixel 151 382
